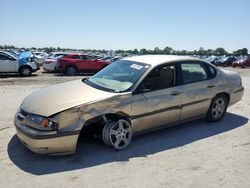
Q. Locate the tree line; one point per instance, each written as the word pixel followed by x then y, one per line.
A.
pixel 167 50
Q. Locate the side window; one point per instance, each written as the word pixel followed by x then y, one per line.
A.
pixel 3 57
pixel 75 57
pixel 193 72
pixel 212 71
pixel 160 78
pixel 84 57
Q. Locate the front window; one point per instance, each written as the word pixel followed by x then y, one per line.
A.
pixel 119 76
pixel 4 57
pixel 160 78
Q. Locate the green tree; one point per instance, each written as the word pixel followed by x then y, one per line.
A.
pixel 221 51
pixel 157 50
pixel 243 51
pixel 168 50
pixel 143 51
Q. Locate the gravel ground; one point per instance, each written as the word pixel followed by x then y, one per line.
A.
pixel 196 154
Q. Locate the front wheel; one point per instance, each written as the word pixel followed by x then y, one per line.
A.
pixel 25 71
pixel 243 66
pixel 117 134
pixel 217 109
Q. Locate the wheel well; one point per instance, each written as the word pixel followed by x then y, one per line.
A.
pixel 70 65
pixel 93 127
pixel 20 68
pixel 226 94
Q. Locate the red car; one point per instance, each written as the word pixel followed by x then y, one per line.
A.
pixel 243 63
pixel 78 63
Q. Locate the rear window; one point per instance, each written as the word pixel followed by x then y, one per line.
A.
pixel 212 71
pixel 193 72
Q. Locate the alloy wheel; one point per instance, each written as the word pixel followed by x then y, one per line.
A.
pixel 120 134
pixel 218 108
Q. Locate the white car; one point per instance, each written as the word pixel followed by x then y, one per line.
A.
pixel 9 63
pixel 50 63
pixel 40 57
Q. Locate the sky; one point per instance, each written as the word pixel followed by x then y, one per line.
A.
pixel 130 24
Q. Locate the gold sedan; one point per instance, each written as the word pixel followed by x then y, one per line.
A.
pixel 129 97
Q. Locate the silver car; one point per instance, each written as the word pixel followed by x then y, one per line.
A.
pixel 129 97
pixel 11 63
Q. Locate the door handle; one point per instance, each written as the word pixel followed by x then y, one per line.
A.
pixel 210 86
pixel 174 93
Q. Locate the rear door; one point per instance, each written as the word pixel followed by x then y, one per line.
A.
pixel 197 89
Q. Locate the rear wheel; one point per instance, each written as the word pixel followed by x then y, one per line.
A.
pixel 70 71
pixel 117 134
pixel 25 71
pixel 217 108
pixel 243 66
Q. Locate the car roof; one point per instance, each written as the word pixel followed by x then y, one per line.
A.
pixel 155 60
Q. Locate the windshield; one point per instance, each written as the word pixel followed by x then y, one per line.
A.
pixel 118 76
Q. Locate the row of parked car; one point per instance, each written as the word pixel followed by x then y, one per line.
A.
pixel 25 63
pixel 241 61
pixel 71 64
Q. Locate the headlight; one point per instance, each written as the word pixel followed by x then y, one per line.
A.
pixel 42 122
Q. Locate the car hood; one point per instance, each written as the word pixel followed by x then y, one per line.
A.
pixel 60 97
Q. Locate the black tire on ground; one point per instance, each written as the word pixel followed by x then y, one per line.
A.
pixel 243 66
pixel 25 71
pixel 117 134
pixel 217 108
pixel 70 71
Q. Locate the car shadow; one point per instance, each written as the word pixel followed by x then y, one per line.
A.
pixel 14 75
pixel 59 74
pixel 94 153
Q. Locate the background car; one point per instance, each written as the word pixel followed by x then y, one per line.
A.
pixel 39 57
pixel 80 63
pixel 56 54
pixel 225 61
pixel 51 63
pixel 243 63
pixel 23 64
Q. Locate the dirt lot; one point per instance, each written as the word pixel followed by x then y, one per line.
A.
pixel 197 154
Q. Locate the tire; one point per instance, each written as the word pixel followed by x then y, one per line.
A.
pixel 117 134
pixel 70 71
pixel 243 66
pixel 217 108
pixel 25 71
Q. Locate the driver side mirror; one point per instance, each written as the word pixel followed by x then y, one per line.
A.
pixel 141 89
pixel 145 90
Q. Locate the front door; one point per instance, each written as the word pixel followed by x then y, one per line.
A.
pixel 156 102
pixel 8 63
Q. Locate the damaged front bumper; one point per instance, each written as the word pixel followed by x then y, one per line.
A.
pixel 47 142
